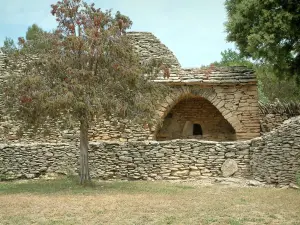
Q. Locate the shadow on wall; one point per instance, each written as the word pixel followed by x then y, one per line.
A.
pixel 195 118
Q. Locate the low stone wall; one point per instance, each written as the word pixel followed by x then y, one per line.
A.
pixel 130 160
pixel 270 121
pixel 276 155
pixel 272 158
pixel 180 120
pixel 274 114
pixel 236 106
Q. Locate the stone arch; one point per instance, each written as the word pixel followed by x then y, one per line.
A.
pixel 207 93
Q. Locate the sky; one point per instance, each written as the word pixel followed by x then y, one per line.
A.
pixel 192 29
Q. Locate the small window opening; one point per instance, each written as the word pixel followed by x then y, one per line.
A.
pixel 197 129
pixel 170 115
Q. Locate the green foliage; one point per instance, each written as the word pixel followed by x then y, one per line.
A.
pixel 9 46
pixel 70 185
pixel 35 41
pixel 270 87
pixel 233 58
pixel 34 38
pixel 87 69
pixel 34 32
pixel 267 31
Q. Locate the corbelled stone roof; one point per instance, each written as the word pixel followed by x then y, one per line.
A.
pixel 148 46
pixel 2 57
pixel 217 76
pixel 2 69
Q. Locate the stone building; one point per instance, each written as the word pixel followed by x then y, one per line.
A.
pixel 217 106
pixel 206 103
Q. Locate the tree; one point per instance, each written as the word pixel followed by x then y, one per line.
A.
pixel 34 32
pixel 8 46
pixel 34 38
pixel 233 58
pixel 88 69
pixel 268 31
pixel 270 87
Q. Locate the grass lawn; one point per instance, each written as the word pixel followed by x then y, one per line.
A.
pixel 63 201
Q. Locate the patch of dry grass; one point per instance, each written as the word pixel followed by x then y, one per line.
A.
pixel 145 203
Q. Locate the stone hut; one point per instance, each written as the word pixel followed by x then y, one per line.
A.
pixel 211 103
pixel 219 104
pixel 215 104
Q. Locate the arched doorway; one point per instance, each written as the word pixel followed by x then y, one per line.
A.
pixel 195 118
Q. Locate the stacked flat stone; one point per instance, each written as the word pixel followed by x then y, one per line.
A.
pixel 3 71
pixel 273 158
pixel 274 114
pixel 237 103
pixel 3 74
pixel 148 46
pixel 216 76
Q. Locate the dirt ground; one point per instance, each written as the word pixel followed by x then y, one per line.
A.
pixel 192 202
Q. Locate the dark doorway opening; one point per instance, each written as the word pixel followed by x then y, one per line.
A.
pixel 197 129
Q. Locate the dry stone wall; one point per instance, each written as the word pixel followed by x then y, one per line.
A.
pixel 130 152
pixel 236 107
pixel 274 114
pixel 272 158
pixel 236 103
pixel 232 91
pixel 276 155
pixel 148 46
pixel 181 120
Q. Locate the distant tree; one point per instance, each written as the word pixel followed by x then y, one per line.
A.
pixel 35 40
pixel 34 32
pixel 89 69
pixel 270 87
pixel 233 58
pixel 268 31
pixel 8 46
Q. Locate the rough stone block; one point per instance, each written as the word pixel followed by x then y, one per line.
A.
pixel 229 167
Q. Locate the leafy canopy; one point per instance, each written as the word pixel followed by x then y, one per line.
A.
pixel 267 30
pixel 270 87
pixel 9 46
pixel 87 68
pixel 34 35
pixel 233 58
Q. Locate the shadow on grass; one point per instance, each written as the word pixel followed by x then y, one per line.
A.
pixel 70 185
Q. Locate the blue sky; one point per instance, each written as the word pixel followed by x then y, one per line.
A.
pixel 192 29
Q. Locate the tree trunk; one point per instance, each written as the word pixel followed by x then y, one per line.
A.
pixel 84 147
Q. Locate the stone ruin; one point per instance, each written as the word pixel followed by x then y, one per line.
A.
pixel 211 119
pixel 221 105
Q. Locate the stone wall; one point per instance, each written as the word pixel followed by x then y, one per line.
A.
pixel 188 114
pixel 272 158
pixel 274 114
pixel 232 91
pixel 236 103
pixel 148 46
pixel 276 155
pixel 235 106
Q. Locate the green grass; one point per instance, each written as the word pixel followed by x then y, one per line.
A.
pixel 70 185
pixel 64 201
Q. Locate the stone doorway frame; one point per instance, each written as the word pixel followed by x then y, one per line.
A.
pixel 207 93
